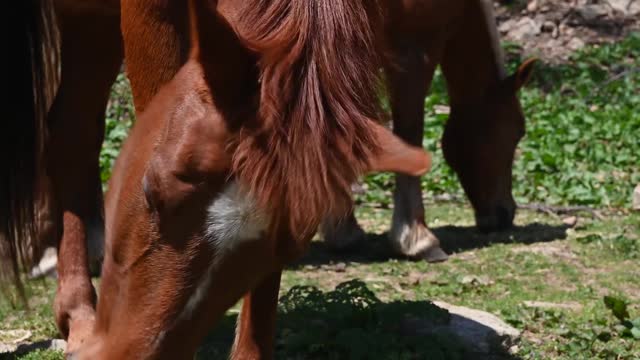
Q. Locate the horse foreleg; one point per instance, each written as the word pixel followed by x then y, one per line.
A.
pixel 91 58
pixel 408 84
pixel 256 325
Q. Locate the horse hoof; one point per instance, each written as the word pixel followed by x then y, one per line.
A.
pixel 417 242
pixel 434 255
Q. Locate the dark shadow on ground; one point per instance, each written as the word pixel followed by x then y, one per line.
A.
pixel 351 323
pixel 453 239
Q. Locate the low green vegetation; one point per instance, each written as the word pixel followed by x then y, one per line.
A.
pixel 119 118
pixel 572 292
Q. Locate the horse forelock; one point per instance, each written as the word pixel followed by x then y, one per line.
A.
pixel 318 66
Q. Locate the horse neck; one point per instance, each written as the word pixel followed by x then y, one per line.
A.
pixel 472 61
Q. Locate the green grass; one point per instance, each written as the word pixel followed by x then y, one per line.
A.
pixel 357 305
pixel 120 115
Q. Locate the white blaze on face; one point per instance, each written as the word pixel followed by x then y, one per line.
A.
pixel 233 218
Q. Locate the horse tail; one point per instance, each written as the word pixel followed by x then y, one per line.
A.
pixel 319 66
pixel 35 50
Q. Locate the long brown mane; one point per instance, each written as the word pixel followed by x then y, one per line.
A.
pixel 36 55
pixel 318 63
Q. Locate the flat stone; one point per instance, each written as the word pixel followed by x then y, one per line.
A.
pixel 592 11
pixel 483 332
pixel 570 221
pixel 524 28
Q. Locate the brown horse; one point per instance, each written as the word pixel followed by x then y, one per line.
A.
pixel 484 127
pixel 279 151
pixel 230 169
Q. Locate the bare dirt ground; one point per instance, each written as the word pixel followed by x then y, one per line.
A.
pixel 554 29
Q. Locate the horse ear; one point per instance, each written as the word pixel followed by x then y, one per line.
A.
pixel 397 156
pixel 522 76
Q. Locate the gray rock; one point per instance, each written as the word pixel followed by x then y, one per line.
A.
pixel 506 26
pixel 482 332
pixel 592 11
pixel 524 28
pixel 636 198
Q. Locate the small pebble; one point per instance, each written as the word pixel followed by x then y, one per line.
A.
pixel 570 221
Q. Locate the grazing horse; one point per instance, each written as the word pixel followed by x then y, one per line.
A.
pixel 484 127
pixel 228 171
